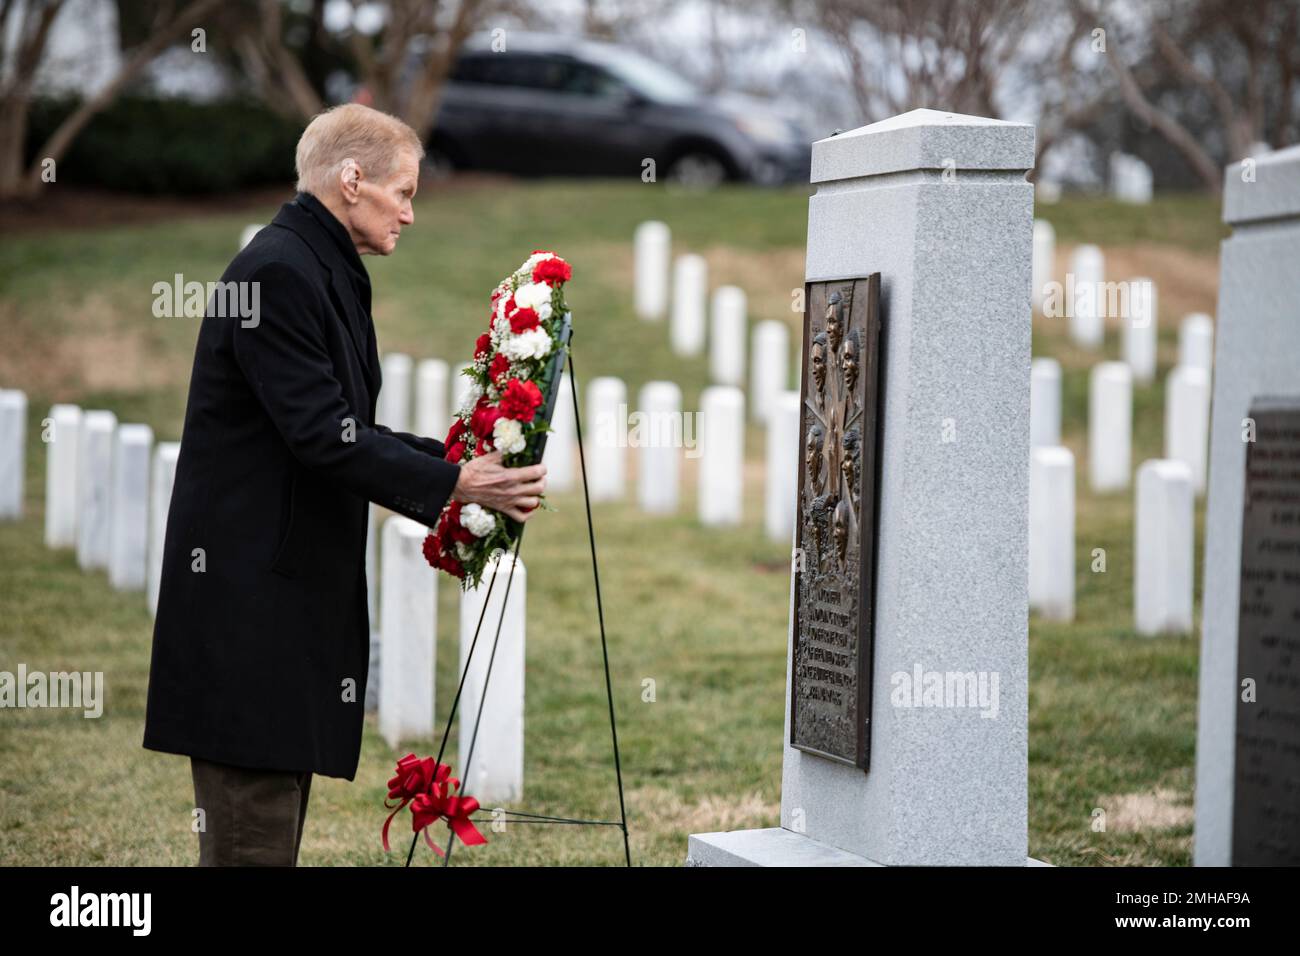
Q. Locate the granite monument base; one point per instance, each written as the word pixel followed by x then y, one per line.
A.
pixel 774 846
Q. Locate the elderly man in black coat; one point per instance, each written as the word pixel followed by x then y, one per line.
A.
pixel 261 641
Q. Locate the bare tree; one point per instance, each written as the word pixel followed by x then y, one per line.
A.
pixel 1065 73
pixel 401 65
pixel 24 31
pixel 273 66
pixel 382 60
pixel 1240 59
pixel 941 54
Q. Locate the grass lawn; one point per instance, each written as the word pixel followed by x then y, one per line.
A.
pixel 696 617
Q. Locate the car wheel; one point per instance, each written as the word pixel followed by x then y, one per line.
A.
pixel 697 170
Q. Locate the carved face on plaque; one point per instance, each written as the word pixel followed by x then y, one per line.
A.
pixel 840 528
pixel 834 320
pixel 812 456
pixel 849 463
pixel 818 525
pixel 849 361
pixel 818 360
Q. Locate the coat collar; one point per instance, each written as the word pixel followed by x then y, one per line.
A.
pixel 307 217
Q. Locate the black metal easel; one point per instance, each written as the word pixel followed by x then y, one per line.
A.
pixel 538 818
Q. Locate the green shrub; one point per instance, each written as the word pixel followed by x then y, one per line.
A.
pixel 151 145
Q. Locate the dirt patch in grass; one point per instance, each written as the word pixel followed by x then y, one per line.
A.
pixel 1160 809
pixel 768 278
pixel 88 360
pixel 712 813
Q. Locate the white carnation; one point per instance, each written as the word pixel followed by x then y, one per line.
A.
pixel 508 436
pixel 544 311
pixel 533 344
pixel 464 551
pixel 478 520
pixel 533 295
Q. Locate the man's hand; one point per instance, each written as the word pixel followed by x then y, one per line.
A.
pixel 512 491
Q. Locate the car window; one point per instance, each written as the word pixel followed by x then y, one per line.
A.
pixel 470 69
pixel 587 80
pixel 558 74
pixel 506 69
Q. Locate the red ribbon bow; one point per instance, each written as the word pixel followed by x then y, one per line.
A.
pixel 428 787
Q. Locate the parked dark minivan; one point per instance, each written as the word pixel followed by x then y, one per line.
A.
pixel 572 107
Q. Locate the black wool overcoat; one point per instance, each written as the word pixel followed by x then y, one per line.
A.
pixel 261 640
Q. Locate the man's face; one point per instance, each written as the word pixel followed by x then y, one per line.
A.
pixel 383 208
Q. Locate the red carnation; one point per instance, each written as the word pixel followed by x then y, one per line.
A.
pixel 552 270
pixel 500 366
pixel 433 549
pixel 451 514
pixel 484 418
pixel 520 400
pixel 454 447
pixel 451 530
pixel 523 320
pixel 483 345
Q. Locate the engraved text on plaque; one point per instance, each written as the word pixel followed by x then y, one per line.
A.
pixel 1266 786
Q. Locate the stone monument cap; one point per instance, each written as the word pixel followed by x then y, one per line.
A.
pixel 1274 193
pixel 924 139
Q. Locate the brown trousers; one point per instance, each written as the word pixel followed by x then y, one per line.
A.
pixel 250 817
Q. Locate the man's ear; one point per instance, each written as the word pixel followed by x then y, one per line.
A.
pixel 350 180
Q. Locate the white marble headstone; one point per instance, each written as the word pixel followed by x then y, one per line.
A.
pixel 783 462
pixel 61 476
pixel 727 336
pixel 129 528
pixel 660 436
pixel 605 436
pixel 1162 550
pixel 652 247
pixel 690 287
pixel 164 478
pixel 722 455
pixel 408 623
pixel 496 768
pixel 95 488
pixel 13 452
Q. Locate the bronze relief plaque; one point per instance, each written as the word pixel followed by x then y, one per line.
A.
pixel 830 693
pixel 1266 784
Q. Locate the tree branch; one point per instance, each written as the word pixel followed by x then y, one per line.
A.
pixel 59 141
pixel 1168 127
